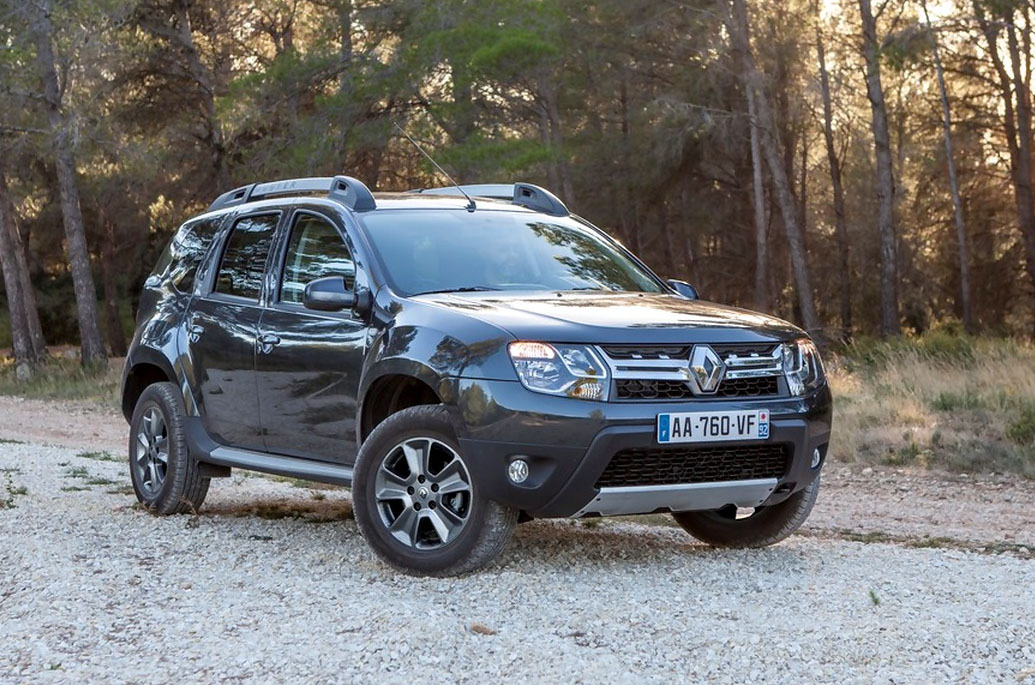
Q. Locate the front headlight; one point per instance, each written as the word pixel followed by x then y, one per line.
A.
pixel 802 366
pixel 569 370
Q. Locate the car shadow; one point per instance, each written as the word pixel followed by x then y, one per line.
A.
pixel 614 542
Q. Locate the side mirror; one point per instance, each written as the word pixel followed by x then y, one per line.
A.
pixel 684 289
pixel 328 294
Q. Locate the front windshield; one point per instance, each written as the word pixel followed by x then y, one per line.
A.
pixel 451 250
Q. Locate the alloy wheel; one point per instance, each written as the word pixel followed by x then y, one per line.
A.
pixel 151 460
pixel 423 493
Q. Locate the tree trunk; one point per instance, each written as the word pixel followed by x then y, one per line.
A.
pixel 1024 144
pixel 24 361
pixel 75 233
pixel 553 112
pixel 109 269
pixel 32 315
pixel 957 204
pixel 214 133
pixel 763 301
pixel 840 225
pixel 752 78
pixel 889 320
pixel 1020 165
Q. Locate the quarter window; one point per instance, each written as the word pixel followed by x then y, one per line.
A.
pixel 181 259
pixel 316 250
pixel 244 259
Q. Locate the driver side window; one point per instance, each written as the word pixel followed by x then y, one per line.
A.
pixel 315 250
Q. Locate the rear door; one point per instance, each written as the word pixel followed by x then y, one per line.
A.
pixel 222 326
pixel 309 363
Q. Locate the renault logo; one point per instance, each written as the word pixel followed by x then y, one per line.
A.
pixel 706 368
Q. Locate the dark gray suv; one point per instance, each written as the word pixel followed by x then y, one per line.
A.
pixel 463 358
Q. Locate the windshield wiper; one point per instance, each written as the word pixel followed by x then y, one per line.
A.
pixel 465 289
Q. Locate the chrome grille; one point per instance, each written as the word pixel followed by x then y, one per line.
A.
pixel 662 372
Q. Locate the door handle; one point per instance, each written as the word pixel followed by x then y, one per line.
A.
pixel 194 332
pixel 267 341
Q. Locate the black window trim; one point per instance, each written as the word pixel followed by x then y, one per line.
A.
pixel 211 278
pixel 277 267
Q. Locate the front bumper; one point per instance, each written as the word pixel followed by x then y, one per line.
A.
pixel 569 443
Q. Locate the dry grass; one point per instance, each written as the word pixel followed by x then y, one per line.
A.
pixel 64 378
pixel 945 401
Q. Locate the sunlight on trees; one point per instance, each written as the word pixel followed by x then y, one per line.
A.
pixel 636 113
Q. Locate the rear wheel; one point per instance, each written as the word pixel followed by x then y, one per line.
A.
pixel 416 503
pixel 763 526
pixel 165 479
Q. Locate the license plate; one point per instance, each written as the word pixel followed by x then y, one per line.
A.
pixel 713 426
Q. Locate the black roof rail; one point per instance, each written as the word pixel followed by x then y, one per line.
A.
pixel 524 194
pixel 350 191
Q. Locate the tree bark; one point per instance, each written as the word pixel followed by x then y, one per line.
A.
pixel 75 234
pixel 1020 162
pixel 762 296
pixel 24 361
pixel 840 224
pixel 957 204
pixel 109 269
pixel 889 323
pixel 1024 142
pixel 752 78
pixel 32 315
pixel 763 301
pixel 214 132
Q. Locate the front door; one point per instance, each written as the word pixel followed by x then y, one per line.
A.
pixel 308 363
pixel 222 325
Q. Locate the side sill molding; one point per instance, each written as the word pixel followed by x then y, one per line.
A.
pixel 294 467
pixel 205 450
pixel 647 499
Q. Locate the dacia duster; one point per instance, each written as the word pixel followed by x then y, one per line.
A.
pixel 463 358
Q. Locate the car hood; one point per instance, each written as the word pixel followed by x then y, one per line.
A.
pixel 594 317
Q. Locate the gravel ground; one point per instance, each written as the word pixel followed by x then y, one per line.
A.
pixel 273 583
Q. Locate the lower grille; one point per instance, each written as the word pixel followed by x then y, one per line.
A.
pixel 679 465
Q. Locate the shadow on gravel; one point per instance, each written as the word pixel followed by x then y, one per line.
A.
pixel 539 542
pixel 311 511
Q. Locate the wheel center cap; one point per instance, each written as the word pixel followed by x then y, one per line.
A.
pixel 423 493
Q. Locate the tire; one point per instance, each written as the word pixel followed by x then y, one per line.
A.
pixel 404 460
pixel 766 526
pixel 175 486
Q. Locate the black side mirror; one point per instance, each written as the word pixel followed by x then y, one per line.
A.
pixel 328 294
pixel 331 294
pixel 684 289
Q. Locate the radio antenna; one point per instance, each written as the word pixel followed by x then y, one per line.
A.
pixel 470 203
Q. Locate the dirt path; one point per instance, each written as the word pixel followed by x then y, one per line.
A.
pixel 917 508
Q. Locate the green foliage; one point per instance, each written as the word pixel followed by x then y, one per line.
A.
pixel 1022 428
pixel 5 329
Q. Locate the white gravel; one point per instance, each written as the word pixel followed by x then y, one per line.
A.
pixel 93 589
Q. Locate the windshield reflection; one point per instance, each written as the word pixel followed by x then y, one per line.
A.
pixel 454 251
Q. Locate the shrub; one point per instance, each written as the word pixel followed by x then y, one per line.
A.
pixel 1022 428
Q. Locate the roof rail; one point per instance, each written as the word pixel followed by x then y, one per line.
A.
pixel 350 191
pixel 524 194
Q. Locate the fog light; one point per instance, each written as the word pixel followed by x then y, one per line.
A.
pixel 816 457
pixel 517 471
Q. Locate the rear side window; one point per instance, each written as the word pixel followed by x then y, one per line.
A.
pixel 244 259
pixel 181 259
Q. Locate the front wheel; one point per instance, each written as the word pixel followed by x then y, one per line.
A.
pixel 415 501
pixel 760 528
